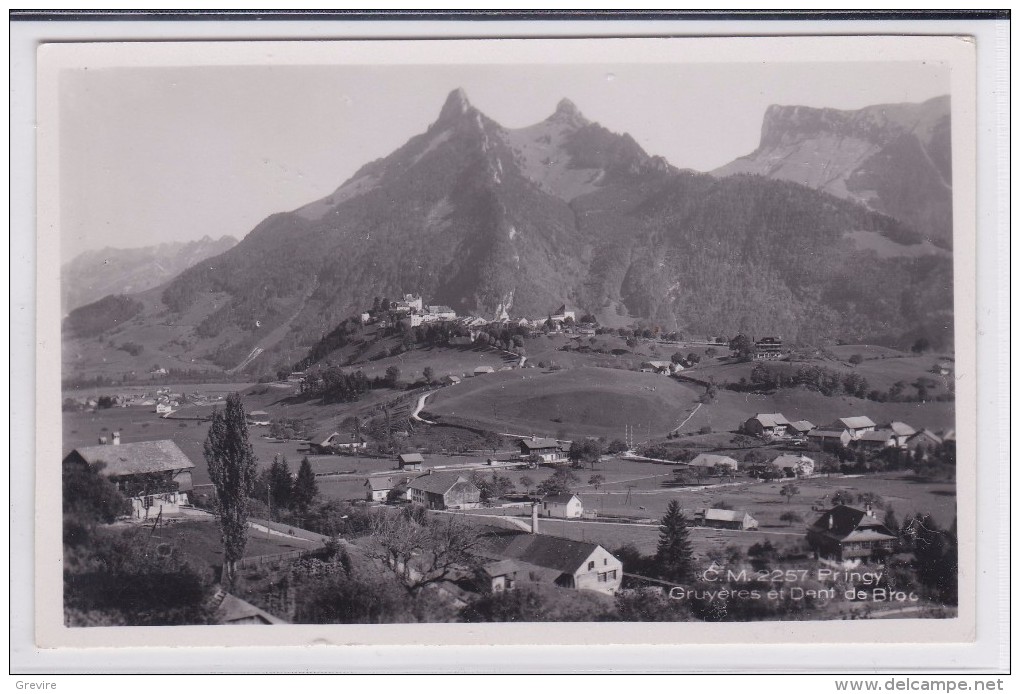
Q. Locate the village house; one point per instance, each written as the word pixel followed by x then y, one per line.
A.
pixel 338 442
pixel 667 368
pixel 901 432
pixel 164 408
pixel 876 440
pixel 923 439
pixel 844 532
pixel 830 437
pixel 562 506
pixel 794 465
pixel 769 348
pixel 710 460
pixel 799 428
pixel 547 450
pixel 501 575
pixel 379 488
pixel 259 418
pixel 233 610
pixel 855 426
pixel 766 426
pixel 553 560
pixel 725 518
pixel 443 491
pixel 155 476
pixel 410 461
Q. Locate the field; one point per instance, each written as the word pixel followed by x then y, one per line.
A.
pixel 586 401
pixel 648 497
pixel 200 539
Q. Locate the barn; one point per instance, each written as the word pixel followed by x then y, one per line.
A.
pixel 442 491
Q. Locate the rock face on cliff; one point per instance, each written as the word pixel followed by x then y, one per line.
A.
pixel 894 158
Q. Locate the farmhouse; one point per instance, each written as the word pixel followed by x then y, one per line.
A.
pixel 832 437
pixel 451 379
pixel 259 418
pixel 154 475
pixel 844 532
pixel 800 428
pixel 233 610
pixel 768 348
pixel 444 491
pixel 660 367
pixel 794 465
pixel 562 506
pixel 548 450
pixel 378 488
pixel 876 440
pixel 901 432
pixel 410 461
pixel 326 445
pixel 766 426
pixel 855 426
pixel 923 439
pixel 501 575
pixel 479 370
pixel 724 518
pixel 411 303
pixel 710 460
pixel 555 560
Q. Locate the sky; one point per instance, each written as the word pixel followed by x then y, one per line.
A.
pixel 156 154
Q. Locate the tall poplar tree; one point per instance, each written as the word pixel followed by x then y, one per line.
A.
pixel 674 556
pixel 233 468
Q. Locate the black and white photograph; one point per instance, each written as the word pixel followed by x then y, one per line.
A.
pixel 624 332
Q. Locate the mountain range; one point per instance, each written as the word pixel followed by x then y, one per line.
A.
pixel 495 221
pixel 94 274
pixel 893 158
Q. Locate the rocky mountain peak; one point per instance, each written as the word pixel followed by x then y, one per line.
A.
pixel 567 112
pixel 456 105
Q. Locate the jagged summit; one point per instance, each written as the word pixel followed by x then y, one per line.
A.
pixel 456 105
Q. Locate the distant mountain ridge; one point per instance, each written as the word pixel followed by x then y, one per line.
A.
pixel 894 158
pixel 515 222
pixel 91 275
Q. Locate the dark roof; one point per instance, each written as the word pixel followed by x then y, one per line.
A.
pixel 880 436
pixel 539 444
pixel 437 483
pixel 847 520
pixel 136 458
pixel 826 433
pixel 411 458
pixel 565 556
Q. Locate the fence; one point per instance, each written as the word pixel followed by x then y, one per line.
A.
pixel 264 559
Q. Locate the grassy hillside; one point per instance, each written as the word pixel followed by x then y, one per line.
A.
pixel 586 401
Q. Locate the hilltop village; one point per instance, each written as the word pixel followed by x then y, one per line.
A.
pixel 418 465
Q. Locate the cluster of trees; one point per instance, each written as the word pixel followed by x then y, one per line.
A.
pixel 818 378
pixel 286 428
pixel 585 452
pixel 98 317
pixel 282 491
pixel 132 348
pixel 493 486
pixel 336 385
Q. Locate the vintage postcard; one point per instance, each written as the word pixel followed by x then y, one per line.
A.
pixel 402 342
